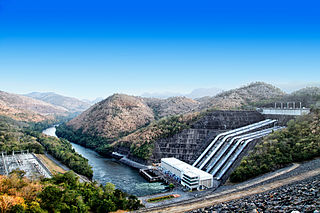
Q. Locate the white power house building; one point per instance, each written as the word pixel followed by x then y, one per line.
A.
pixel 190 177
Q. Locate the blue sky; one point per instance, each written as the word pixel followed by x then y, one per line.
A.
pixel 95 48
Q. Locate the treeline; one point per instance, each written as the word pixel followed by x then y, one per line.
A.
pixel 300 141
pixel 16 136
pixel 62 193
pixel 94 142
pixel 62 150
pixel 13 138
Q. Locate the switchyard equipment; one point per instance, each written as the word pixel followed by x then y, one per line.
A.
pixel 189 176
pixel 24 161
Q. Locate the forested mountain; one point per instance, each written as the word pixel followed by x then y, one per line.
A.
pixel 171 106
pixel 117 115
pixel 309 96
pixel 70 104
pixel 253 93
pixel 28 109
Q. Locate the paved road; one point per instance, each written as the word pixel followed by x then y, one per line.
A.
pixel 261 184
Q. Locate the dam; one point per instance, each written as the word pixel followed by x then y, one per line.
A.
pixel 216 143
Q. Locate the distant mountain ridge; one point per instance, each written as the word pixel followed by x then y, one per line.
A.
pixel 24 108
pixel 68 103
pixel 196 93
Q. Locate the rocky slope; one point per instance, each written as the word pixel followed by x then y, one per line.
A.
pixel 117 115
pixel 24 108
pixel 302 196
pixel 70 104
pixel 235 98
pixel 121 114
pixel 171 106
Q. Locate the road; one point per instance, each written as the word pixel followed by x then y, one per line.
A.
pixel 236 192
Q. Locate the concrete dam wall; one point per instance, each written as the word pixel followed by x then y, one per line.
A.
pixel 190 143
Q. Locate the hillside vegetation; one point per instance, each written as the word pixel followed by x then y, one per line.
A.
pixel 72 105
pixel 309 96
pixel 171 106
pixel 113 117
pixel 28 109
pixel 62 193
pixel 243 96
pixel 300 141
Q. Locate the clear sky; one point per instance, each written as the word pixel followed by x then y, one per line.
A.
pixel 95 48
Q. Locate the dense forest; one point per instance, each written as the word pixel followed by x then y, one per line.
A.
pixel 298 142
pixel 78 137
pixel 62 193
pixel 15 136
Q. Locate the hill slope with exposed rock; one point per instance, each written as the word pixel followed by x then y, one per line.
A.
pixel 24 108
pixel 171 106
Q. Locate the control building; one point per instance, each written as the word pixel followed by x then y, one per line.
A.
pixel 190 177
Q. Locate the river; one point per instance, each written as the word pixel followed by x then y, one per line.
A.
pixel 110 170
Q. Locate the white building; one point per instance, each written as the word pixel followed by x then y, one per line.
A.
pixel 190 177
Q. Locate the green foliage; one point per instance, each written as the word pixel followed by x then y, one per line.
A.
pixel 99 144
pixel 14 138
pixel 300 141
pixel 144 151
pixel 64 193
pixel 62 150
pixel 171 186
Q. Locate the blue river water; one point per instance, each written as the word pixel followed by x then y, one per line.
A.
pixel 110 170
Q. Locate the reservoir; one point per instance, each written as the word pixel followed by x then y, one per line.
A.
pixel 110 170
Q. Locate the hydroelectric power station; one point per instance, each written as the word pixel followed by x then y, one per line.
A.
pixel 224 152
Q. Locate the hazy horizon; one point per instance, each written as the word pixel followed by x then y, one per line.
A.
pixel 94 49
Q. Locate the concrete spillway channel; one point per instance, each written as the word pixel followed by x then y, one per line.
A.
pixel 220 139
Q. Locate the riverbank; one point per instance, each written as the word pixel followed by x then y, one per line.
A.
pixel 111 170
